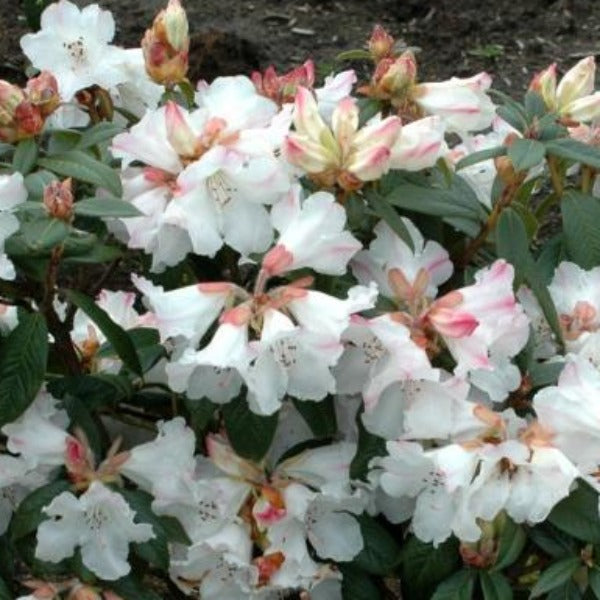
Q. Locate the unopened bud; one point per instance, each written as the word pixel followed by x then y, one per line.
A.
pixel 166 45
pixel 577 82
pixel 10 97
pixel 83 592
pixel 283 88
pixel 544 84
pixel 380 44
pixel 505 169
pixel 42 91
pixel 58 199
pixel 394 77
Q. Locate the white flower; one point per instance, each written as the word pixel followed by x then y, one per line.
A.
pixel 100 522
pixel 12 193
pixel 74 45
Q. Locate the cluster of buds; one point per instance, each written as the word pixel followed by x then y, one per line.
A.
pixel 23 111
pixel 75 590
pixel 166 45
pixel 282 88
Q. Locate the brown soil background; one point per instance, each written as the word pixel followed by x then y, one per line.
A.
pixel 237 36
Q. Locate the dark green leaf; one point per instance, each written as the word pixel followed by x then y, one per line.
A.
pixel 201 412
pixel 567 591
pixel 33 10
pixel 22 365
pixel 99 253
pixel 5 593
pixel 512 242
pixel 581 215
pixel 368 108
pixel 594 580
pixel 62 140
pixel 543 374
pixel 380 554
pixel 388 213
pixel 114 333
pixel 99 390
pixel 36 182
pixel 369 446
pixel 511 543
pixel 424 566
pixel 83 167
pixel 319 416
pixel 356 54
pixel 250 434
pixel 79 412
pixel 25 156
pixel 534 105
pixel 106 208
pixel 130 588
pixel 577 514
pixel 99 134
pixel 495 586
pixel 555 575
pixel 525 153
pixel 357 585
pixel 458 587
pixel 552 541
pixel 480 156
pixel 571 149
pixel 513 116
pixel 29 515
pixel 44 234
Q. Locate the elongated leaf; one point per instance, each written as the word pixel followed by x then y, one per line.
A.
pixel 577 514
pixel 567 591
pixel 553 541
pixel 319 416
pixel 36 182
pixel 555 575
pixel 98 134
pixel 594 580
pixel 357 585
pixel 534 105
pixel 105 207
pixel 83 167
pixel 29 515
pixel 22 366
pixel 25 156
pixel 581 215
pixel 513 115
pixel 45 233
pixel 525 154
pixel 5 593
pixel 356 54
pixel 424 566
pixel 250 434
pixel 511 543
pixel 114 333
pixel 369 446
pixel 480 156
pixel 495 586
pixel 576 151
pixel 130 588
pixel 380 554
pixel 387 213
pixel 458 587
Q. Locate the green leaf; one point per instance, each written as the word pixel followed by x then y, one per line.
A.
pixel 581 215
pixel 130 588
pixel 98 391
pixel 25 156
pixel 36 182
pixel 200 414
pixel 555 575
pixel 577 514
pixel 386 212
pixel 424 566
pixel 513 115
pixel 511 543
pixel 495 586
pixel 368 108
pixel 369 446
pixel 594 580
pixel 100 133
pixel 380 554
pixel 567 591
pixel 44 234
pixel 552 541
pixel 357 585
pixel 319 416
pixel 250 434
pixel 33 10
pixel 480 156
pixel 22 365
pixel 29 515
pixel 79 412
pixel 571 149
pixel 114 333
pixel 356 54
pixel 5 593
pixel 534 105
pixel 62 140
pixel 458 587
pixel 83 167
pixel 99 253
pixel 105 207
pixel 525 154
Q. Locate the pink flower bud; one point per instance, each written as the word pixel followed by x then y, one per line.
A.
pixel 58 199
pixel 282 88
pixel 544 83
pixel 380 44
pixel 166 45
pixel 42 91
pixel 393 77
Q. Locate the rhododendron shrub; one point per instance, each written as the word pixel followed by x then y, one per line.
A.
pixel 275 337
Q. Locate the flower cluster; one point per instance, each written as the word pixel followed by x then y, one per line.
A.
pixel 259 339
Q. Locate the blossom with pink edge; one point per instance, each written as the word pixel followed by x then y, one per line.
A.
pixel 574 95
pixel 462 103
pixel 420 144
pixel 311 235
pixel 342 154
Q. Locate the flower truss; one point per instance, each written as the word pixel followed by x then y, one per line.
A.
pixel 270 337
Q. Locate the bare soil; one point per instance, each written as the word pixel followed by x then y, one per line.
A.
pixel 510 39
